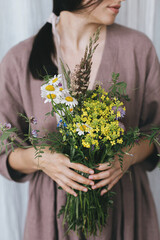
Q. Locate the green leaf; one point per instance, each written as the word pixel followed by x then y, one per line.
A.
pixel 66 74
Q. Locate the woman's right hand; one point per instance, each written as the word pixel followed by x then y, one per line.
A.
pixel 58 167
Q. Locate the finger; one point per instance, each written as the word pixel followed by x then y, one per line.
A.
pixel 104 166
pixel 66 188
pixel 106 181
pixel 76 166
pixel 103 192
pixel 105 174
pixel 110 186
pixel 77 177
pixel 80 167
pixel 102 175
pixel 73 184
pixel 101 183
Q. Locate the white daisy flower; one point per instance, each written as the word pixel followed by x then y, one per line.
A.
pixel 56 80
pixel 49 96
pixel 54 90
pixel 60 89
pixel 49 91
pixel 82 128
pixel 69 101
pixel 48 88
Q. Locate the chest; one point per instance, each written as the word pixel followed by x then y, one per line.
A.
pixel 72 58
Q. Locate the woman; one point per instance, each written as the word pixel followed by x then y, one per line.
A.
pixel 120 50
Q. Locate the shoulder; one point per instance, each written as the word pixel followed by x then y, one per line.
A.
pixel 19 54
pixel 130 38
pixel 14 65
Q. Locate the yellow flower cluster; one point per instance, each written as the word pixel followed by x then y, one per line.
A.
pixel 100 121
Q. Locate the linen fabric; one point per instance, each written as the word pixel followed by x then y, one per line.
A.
pixel 133 217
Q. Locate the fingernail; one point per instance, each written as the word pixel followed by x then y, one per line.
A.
pixel 85 190
pixel 75 194
pixel 91 172
pixel 93 187
pixel 92 183
pixel 90 177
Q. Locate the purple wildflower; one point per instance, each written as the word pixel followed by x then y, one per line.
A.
pixel 93 146
pixel 121 125
pixel 119 109
pixel 7 125
pixel 59 84
pixel 33 120
pixel 137 141
pixel 114 108
pixel 122 111
pixel 34 133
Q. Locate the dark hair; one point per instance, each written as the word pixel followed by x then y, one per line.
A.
pixel 43 49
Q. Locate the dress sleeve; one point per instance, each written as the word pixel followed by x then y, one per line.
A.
pixel 150 114
pixel 10 105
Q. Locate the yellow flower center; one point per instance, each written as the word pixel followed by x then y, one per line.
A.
pixel 83 127
pixel 54 80
pixel 69 99
pixel 61 89
pixel 51 96
pixel 71 109
pixel 49 88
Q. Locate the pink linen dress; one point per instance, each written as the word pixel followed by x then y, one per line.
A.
pixel 133 217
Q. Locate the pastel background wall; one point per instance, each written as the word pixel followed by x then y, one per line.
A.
pixel 19 19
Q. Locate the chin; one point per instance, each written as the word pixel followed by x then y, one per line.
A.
pixel 108 21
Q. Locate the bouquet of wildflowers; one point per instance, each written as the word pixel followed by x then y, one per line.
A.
pixel 90 131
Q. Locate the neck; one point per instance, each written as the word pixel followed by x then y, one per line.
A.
pixel 76 29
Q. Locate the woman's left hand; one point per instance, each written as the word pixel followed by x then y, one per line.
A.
pixel 109 175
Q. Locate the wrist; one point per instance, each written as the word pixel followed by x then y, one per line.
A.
pixel 139 152
pixel 23 160
pixel 41 163
pixel 34 161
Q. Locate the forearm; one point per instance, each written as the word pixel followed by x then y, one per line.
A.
pixel 23 160
pixel 141 151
